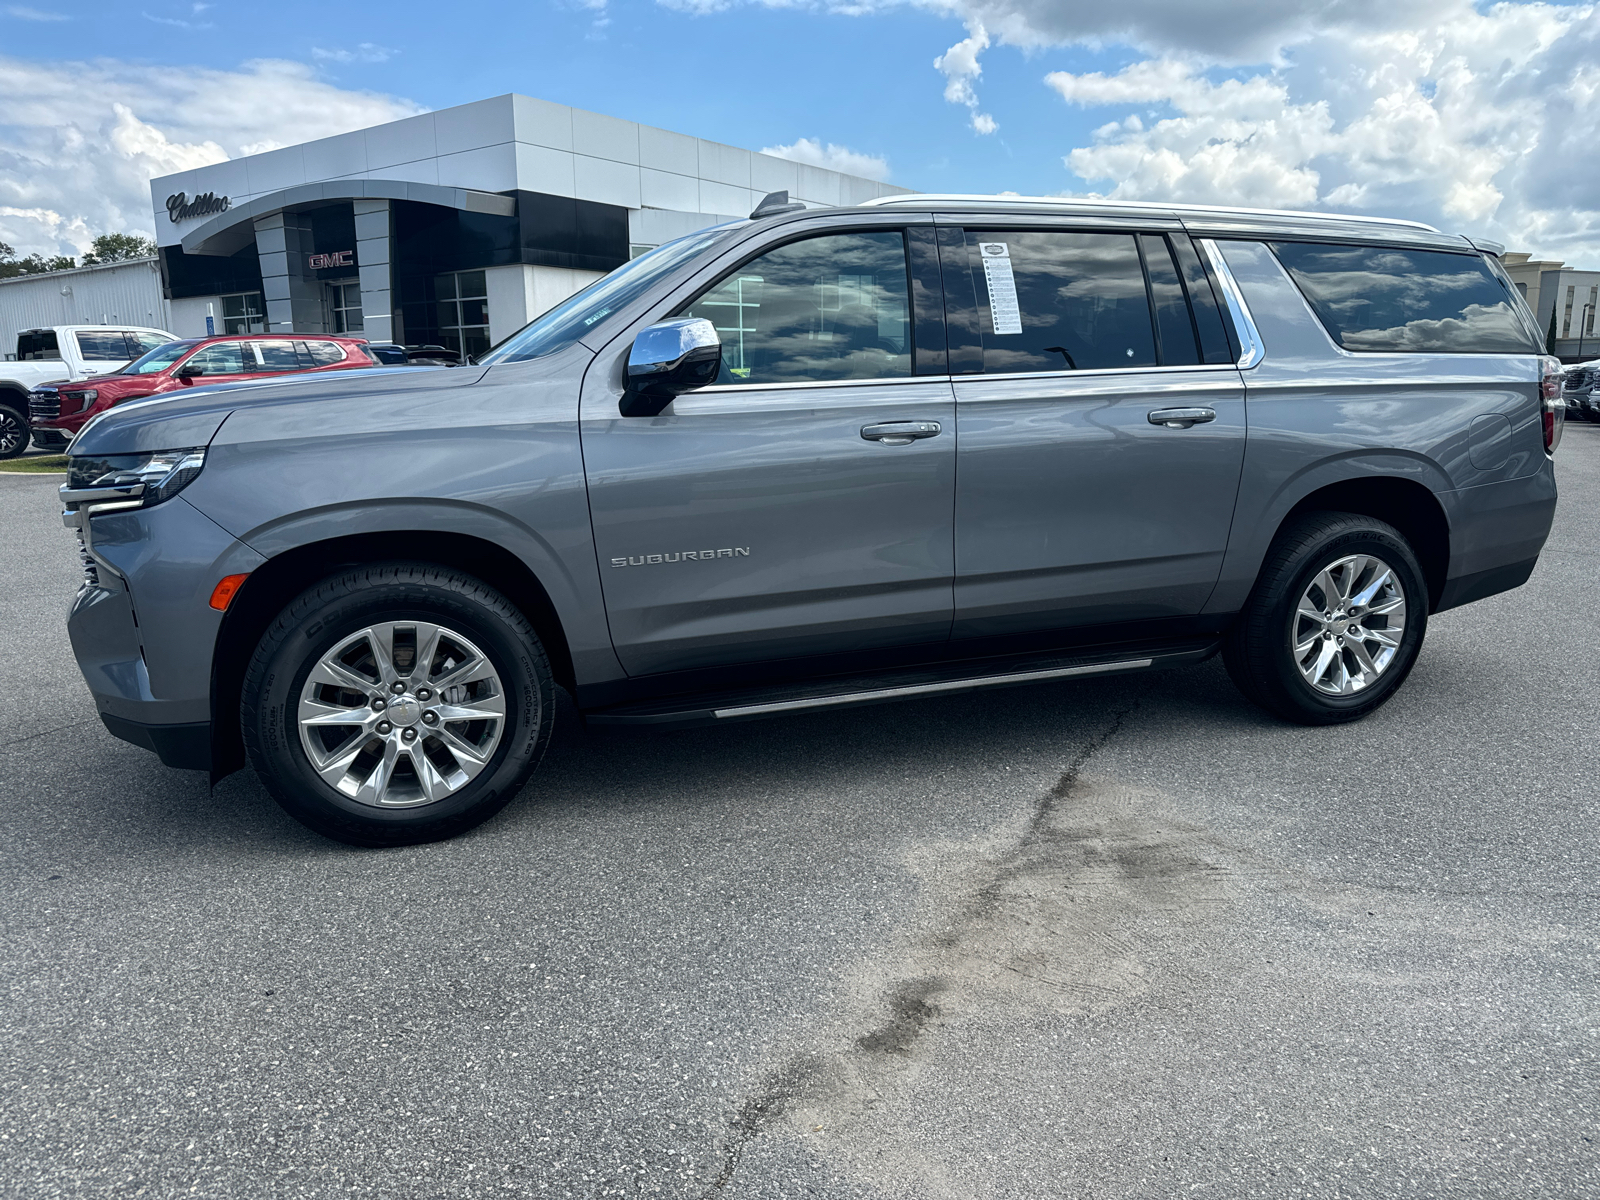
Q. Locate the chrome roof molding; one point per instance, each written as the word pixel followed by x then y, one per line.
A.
pixel 1074 204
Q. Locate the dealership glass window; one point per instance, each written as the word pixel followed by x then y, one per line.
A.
pixel 463 298
pixel 347 308
pixel 1388 298
pixel 244 312
pixel 833 307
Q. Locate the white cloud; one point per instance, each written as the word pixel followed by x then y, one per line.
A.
pixel 179 22
pixel 962 69
pixel 80 141
pixel 23 13
pixel 1478 122
pixel 364 52
pixel 835 158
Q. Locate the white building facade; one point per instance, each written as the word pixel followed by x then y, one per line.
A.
pixel 452 228
pixel 125 293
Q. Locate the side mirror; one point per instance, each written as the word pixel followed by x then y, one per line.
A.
pixel 667 360
pixel 190 372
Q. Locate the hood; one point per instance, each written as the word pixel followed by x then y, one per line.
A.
pixel 177 420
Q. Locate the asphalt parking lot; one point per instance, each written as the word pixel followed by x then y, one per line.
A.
pixel 1117 938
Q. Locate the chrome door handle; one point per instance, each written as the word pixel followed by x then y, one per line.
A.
pixel 900 433
pixel 1182 418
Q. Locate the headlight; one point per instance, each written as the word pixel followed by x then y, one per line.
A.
pixel 162 474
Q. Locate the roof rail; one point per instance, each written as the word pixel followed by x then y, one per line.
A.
pixel 1071 202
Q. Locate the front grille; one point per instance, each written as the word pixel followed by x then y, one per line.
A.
pixel 91 571
pixel 44 402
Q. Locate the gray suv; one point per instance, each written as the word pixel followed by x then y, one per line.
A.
pixel 823 458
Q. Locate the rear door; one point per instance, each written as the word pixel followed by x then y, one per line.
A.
pixel 777 514
pixel 1102 427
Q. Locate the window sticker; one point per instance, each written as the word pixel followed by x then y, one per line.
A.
pixel 1003 309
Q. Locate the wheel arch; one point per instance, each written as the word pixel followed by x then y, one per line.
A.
pixel 281 578
pixel 1408 505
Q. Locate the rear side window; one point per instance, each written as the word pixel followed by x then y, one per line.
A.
pixel 143 343
pixel 1061 301
pixel 38 344
pixel 1380 298
pixel 276 356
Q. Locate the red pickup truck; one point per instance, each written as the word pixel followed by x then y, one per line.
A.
pixel 58 410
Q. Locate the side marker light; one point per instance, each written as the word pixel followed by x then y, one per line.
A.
pixel 227 588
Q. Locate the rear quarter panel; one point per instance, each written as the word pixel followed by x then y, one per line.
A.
pixel 1320 415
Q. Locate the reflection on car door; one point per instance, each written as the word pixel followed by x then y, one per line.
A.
pixel 1077 504
pixel 767 517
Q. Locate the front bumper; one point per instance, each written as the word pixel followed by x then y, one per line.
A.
pixel 143 631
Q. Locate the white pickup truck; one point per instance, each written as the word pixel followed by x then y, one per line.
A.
pixel 64 352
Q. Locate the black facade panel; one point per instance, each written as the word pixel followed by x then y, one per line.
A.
pixel 558 231
pixel 184 275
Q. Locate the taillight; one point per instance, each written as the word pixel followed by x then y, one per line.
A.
pixel 1553 409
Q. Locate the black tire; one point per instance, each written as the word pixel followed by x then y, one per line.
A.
pixel 1258 650
pixel 13 432
pixel 316 621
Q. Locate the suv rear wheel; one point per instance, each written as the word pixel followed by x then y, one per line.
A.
pixel 1334 623
pixel 396 704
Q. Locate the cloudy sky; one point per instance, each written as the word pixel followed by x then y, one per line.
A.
pixel 1480 118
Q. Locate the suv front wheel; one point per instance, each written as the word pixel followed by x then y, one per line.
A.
pixel 13 432
pixel 1334 623
pixel 397 703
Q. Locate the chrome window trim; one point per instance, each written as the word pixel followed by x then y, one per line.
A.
pixel 1252 349
pixel 1099 372
pixel 712 389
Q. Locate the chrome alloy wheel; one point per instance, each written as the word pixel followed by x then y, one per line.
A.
pixel 1348 625
pixel 401 714
pixel 13 434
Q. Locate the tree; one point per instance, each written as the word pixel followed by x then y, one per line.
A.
pixel 118 247
pixel 35 264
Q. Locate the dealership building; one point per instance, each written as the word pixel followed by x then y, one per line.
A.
pixel 452 228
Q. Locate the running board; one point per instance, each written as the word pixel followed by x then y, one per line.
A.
pixel 946 679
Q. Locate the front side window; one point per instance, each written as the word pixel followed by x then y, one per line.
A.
pixel 244 312
pixel 1382 298
pixel 826 308
pixel 1054 301
pixel 103 345
pixel 220 358
pixel 159 359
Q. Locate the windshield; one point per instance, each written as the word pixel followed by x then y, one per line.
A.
pixel 575 316
pixel 158 359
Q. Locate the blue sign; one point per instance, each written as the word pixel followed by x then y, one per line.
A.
pixel 211 327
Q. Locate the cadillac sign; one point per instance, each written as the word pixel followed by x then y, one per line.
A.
pixel 181 208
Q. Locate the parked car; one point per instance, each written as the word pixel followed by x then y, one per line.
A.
pixel 61 408
pixel 819 459
pixel 394 355
pixel 70 351
pixel 1577 388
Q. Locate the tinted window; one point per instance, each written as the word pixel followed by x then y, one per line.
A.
pixel 325 354
pixel 577 315
pixel 1417 301
pixel 1174 328
pixel 1061 301
pixel 392 355
pixel 103 346
pixel 143 343
pixel 159 359
pixel 38 344
pixel 277 356
pixel 220 358
pixel 834 307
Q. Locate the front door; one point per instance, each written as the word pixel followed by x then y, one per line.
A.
pixel 220 362
pixel 769 516
pixel 1100 455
